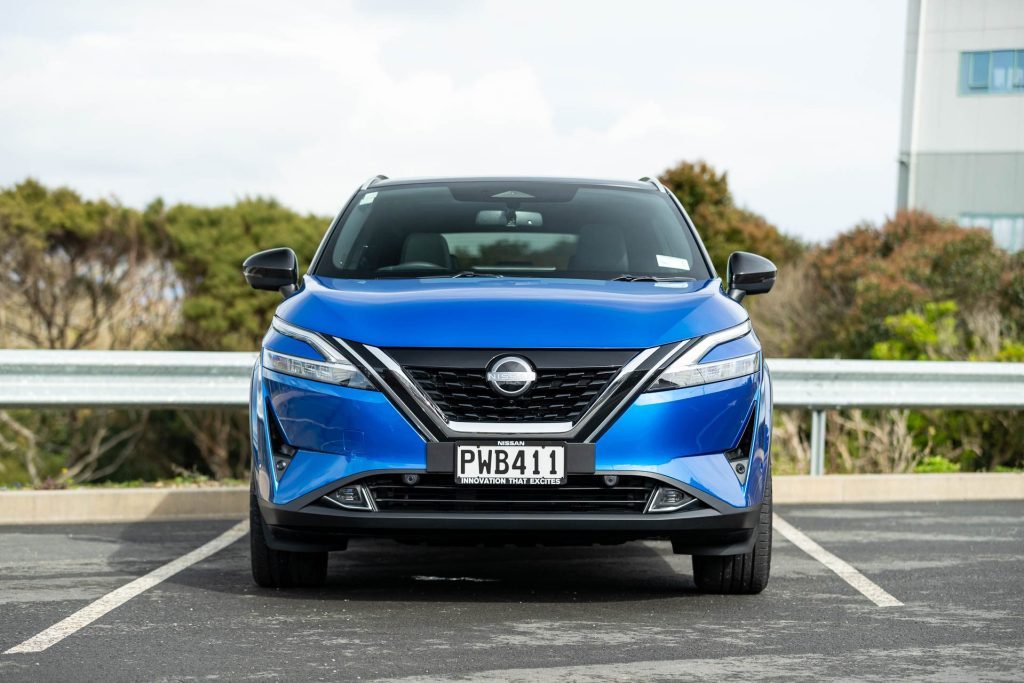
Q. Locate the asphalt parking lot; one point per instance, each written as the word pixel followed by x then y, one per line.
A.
pixel 604 613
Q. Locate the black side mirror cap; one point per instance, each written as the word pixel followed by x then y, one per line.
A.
pixel 749 274
pixel 275 270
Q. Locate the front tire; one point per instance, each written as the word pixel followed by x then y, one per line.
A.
pixel 281 568
pixel 740 574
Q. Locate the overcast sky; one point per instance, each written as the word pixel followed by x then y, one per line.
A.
pixel 206 102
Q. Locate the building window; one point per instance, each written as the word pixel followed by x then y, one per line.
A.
pixel 992 71
pixel 1007 230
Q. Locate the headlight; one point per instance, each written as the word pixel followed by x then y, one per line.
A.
pixel 683 374
pixel 335 372
pixel 334 369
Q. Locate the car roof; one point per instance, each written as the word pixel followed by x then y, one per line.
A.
pixel 384 181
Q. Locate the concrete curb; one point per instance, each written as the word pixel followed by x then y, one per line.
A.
pixel 895 488
pixel 231 502
pixel 122 505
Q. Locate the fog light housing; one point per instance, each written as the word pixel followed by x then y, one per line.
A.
pixel 741 468
pixel 281 453
pixel 353 497
pixel 281 462
pixel 667 499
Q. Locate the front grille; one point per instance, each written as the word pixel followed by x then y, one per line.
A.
pixel 581 493
pixel 464 395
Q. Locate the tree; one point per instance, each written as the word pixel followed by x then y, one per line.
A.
pixel 939 331
pixel 78 274
pixel 725 228
pixel 722 225
pixel 928 335
pixel 219 310
pixel 870 273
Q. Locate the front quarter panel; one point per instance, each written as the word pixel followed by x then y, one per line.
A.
pixel 338 432
pixel 684 434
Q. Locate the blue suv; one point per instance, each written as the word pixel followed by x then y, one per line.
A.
pixel 511 361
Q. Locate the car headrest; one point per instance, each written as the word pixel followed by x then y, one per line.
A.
pixel 427 247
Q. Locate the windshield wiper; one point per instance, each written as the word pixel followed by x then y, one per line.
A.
pixel 652 278
pixel 465 273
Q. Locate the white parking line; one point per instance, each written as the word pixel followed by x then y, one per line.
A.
pixel 871 590
pixel 118 597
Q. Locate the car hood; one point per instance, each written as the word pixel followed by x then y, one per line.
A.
pixel 511 312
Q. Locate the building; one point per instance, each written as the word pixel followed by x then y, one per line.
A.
pixel 962 134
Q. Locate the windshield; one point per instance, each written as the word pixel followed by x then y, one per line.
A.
pixel 512 228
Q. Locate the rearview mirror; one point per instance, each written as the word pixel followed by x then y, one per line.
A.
pixel 275 270
pixel 509 218
pixel 749 274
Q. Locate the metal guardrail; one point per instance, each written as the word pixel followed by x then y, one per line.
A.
pixel 124 379
pixel 186 379
pixel 820 385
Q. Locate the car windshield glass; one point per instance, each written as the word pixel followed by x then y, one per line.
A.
pixel 512 228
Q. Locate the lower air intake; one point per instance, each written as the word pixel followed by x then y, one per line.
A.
pixel 583 493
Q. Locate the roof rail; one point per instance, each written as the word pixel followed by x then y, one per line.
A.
pixel 372 180
pixel 654 181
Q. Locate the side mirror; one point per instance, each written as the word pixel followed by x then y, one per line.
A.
pixel 749 274
pixel 276 270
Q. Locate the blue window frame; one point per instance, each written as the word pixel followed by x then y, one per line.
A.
pixel 1007 229
pixel 992 71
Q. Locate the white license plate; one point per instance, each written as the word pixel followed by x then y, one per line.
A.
pixel 510 464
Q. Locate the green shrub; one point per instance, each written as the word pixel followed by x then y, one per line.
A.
pixel 936 464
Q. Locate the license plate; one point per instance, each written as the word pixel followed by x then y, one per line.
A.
pixel 510 463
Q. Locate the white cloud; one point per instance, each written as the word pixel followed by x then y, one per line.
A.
pixel 207 101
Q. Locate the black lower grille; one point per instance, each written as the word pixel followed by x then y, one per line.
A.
pixel 558 395
pixel 581 493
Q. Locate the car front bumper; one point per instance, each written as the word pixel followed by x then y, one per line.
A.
pixel 682 438
pixel 704 531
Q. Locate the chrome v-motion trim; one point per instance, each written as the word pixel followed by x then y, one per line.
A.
pixel 331 353
pixel 396 400
pixel 414 389
pixel 623 388
pixel 637 389
pixel 691 354
pixel 510 427
pixel 322 346
pixel 696 353
pixel 532 428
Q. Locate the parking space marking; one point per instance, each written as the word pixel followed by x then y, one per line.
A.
pixel 118 597
pixel 960 661
pixel 866 586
